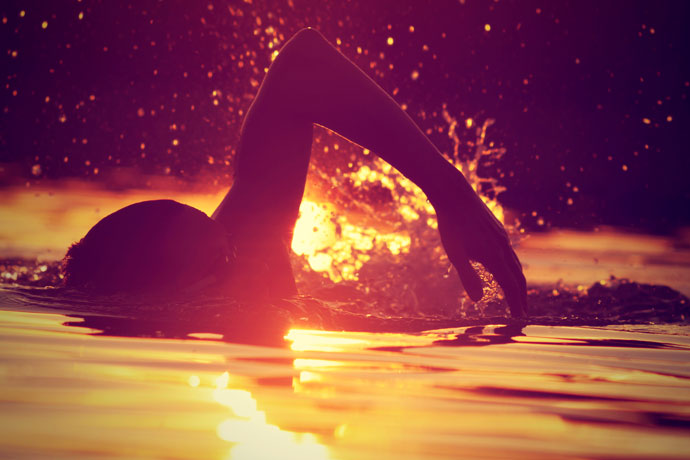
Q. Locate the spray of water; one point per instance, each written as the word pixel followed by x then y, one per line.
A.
pixel 370 234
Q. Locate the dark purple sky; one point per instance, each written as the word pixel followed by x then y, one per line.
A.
pixel 589 97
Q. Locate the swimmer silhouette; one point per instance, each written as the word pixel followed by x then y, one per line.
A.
pixel 163 246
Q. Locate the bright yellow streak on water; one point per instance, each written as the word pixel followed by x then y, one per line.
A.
pixel 253 437
pixel 66 394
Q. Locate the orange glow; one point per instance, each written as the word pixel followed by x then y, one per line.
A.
pixel 47 219
pixel 339 245
pixel 307 340
pixel 254 438
pixel 545 395
pixel 331 341
pixel 316 237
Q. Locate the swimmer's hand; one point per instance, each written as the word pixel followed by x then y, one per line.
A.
pixel 470 231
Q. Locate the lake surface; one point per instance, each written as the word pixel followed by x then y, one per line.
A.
pixel 471 392
pixel 82 378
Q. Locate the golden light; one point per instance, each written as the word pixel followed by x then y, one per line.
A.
pixel 340 256
pixel 310 340
pixel 302 363
pixel 337 244
pixel 314 230
pixel 205 335
pixel 253 436
pixel 330 341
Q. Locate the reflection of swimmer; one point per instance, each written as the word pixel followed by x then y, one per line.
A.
pixel 164 246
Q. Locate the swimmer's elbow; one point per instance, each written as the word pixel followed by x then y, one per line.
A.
pixel 307 41
pixel 308 36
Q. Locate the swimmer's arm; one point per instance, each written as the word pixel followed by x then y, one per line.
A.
pixel 309 82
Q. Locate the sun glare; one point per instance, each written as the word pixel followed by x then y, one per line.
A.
pixel 253 437
pixel 310 340
pixel 337 244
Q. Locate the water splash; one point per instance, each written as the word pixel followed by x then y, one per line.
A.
pixel 367 231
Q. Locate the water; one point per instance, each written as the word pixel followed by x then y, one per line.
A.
pixel 85 377
pixel 385 358
pixel 599 370
pixel 485 391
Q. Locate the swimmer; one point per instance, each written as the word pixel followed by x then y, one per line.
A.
pixel 164 246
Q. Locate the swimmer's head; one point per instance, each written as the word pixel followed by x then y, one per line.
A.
pixel 153 247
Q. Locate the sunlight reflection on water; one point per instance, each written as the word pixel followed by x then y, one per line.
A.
pixel 488 392
pixel 254 438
